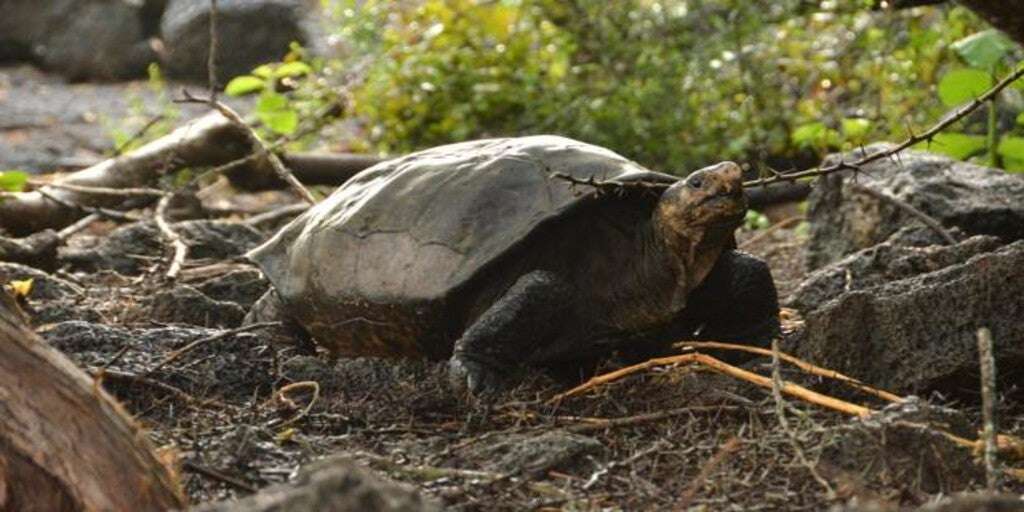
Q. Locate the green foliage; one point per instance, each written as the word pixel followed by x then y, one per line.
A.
pixel 955 145
pixel 245 84
pixel 13 181
pixel 983 50
pixel 275 113
pixel 144 122
pixel 986 54
pixel 756 220
pixel 961 85
pixel 288 92
pixel 673 84
pixel 1012 151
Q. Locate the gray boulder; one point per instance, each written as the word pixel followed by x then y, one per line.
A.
pixel 884 317
pixel 895 259
pixel 80 39
pixel 250 32
pixel 977 200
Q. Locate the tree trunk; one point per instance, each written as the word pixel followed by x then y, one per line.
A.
pixel 65 445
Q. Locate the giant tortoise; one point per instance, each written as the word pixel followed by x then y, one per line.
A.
pixel 478 252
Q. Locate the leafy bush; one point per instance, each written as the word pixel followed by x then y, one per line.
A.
pixel 673 84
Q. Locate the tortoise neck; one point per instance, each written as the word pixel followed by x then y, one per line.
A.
pixel 645 293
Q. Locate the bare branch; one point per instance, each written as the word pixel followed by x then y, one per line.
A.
pixel 913 139
pixel 180 248
pixel 262 148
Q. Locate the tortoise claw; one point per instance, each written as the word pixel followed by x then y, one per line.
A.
pixel 473 378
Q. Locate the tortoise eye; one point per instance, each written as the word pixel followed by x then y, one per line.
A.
pixel 695 182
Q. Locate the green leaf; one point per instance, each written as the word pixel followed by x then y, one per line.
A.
pixel 245 84
pixel 808 134
pixel 1011 147
pixel 1020 119
pixel 292 69
pixel 856 127
pixel 13 181
pixel 263 71
pixel 273 110
pixel 815 134
pixel 962 85
pixel 984 49
pixel 955 145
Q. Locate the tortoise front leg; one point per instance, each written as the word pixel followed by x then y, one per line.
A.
pixel 504 337
pixel 737 302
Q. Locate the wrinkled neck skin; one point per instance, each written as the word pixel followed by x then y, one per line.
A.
pixel 670 264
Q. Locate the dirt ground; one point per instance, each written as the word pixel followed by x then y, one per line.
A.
pixel 243 410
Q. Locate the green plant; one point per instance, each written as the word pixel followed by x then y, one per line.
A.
pixel 144 122
pixel 984 56
pixel 13 181
pixel 672 84
pixel 287 93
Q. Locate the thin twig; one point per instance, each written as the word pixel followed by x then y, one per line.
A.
pixel 175 355
pixel 780 413
pixel 275 214
pixel 105 191
pixel 261 147
pixel 593 424
pixel 789 388
pixel 799 363
pixel 988 399
pixel 281 395
pixel 913 139
pixel 609 186
pixel 658 445
pixel 79 225
pixel 928 220
pixel 211 59
pixel 716 460
pixel 218 476
pixel 104 212
pixel 141 132
pixel 180 247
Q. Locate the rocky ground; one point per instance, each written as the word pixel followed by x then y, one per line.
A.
pixel 242 409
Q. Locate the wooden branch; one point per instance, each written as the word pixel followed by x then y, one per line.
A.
pixel 179 245
pixel 928 135
pixel 209 140
pixel 260 147
pixel 799 363
pixel 789 388
pixel 610 186
pixel 64 443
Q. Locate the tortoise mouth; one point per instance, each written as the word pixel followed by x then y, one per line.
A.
pixel 723 209
pixel 726 195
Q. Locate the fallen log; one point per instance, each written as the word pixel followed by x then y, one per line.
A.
pixel 209 140
pixel 65 445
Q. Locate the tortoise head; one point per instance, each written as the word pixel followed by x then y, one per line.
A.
pixel 695 220
pixel 711 198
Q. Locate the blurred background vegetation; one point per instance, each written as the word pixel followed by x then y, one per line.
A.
pixel 672 84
